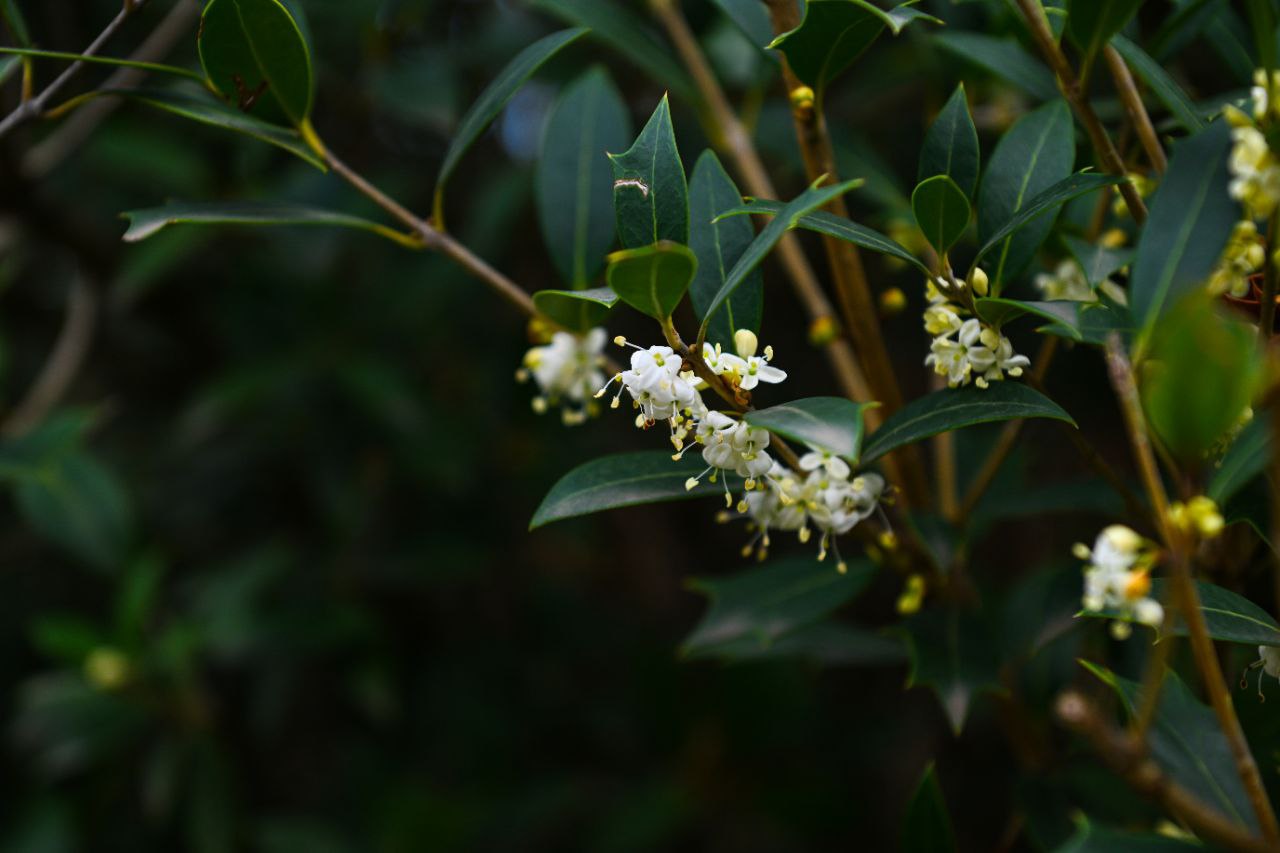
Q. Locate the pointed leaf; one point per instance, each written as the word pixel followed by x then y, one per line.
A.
pixel 997 312
pixel 1092 23
pixel 11 17
pixel 1033 155
pixel 496 96
pixel 576 310
pixel 94 59
pixel 833 424
pixel 650 196
pixel 1004 58
pixel 256 57
pixel 1231 618
pixel 144 223
pixel 624 479
pixel 652 279
pixel 719 243
pixel 573 183
pixel 953 408
pixel 1165 88
pixel 953 653
pixel 942 211
pixel 1096 839
pixel 951 145
pixel 1097 261
pixel 787 218
pixel 836 226
pixel 926 828
pixel 1245 459
pixel 1028 211
pixel 828 643
pixel 1190 220
pixel 833 33
pixel 1186 742
pixel 762 605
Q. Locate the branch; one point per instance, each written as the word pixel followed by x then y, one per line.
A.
pixel 1184 590
pixel 1069 85
pixel 1132 100
pixel 34 106
pixel 1129 761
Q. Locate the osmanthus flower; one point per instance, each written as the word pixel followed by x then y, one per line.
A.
pixel 566 371
pixel 1118 578
pixel 1244 255
pixel 979 354
pixel 1067 283
pixel 1263 93
pixel 746 369
pixel 825 459
pixel 660 388
pixel 732 445
pixel 1268 663
pixel 1255 172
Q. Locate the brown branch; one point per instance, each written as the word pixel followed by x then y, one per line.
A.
pixel 32 107
pixel 1128 760
pixel 1108 158
pixel 64 362
pixel 1137 111
pixel 1184 590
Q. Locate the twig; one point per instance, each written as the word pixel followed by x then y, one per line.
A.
pixel 71 134
pixel 1267 307
pixel 64 362
pixel 34 106
pixel 1132 100
pixel 1129 762
pixel 1184 590
pixel 1069 85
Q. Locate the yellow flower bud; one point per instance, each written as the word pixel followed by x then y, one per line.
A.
pixel 1114 238
pixel 802 98
pixel 978 281
pixel 107 668
pixel 892 302
pixel 745 342
pixel 823 330
pixel 912 596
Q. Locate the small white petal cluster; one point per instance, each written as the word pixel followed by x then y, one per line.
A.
pixel 1117 578
pixel 567 372
pixel 1243 256
pixel 965 350
pixel 1268 663
pixel 1067 283
pixel 733 445
pixel 1264 105
pixel 1255 171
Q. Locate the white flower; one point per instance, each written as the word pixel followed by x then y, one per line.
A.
pixel 758 370
pixel 1255 180
pixel 949 359
pixel 567 370
pixel 993 356
pixel 1117 578
pixel 734 445
pixel 1269 662
pixel 1066 283
pixel 660 389
pixel 815 459
pixel 941 319
pixel 980 350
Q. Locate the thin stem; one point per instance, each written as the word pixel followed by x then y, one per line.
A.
pixel 1127 89
pixel 1184 590
pixel 32 107
pixel 1267 307
pixel 1146 777
pixel 1153 681
pixel 1070 87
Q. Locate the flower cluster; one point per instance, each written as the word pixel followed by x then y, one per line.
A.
pixel 1118 578
pixel 1268 662
pixel 567 372
pixel 1067 283
pixel 977 352
pixel 1243 256
pixel 1255 171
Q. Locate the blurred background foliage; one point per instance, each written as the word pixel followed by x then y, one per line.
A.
pixel 265 580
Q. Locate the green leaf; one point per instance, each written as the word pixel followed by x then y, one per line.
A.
pixel 146 222
pixel 652 279
pixel 1190 220
pixel 11 16
pixel 1094 839
pixel 624 479
pixel 998 311
pixel 1004 58
pixel 833 424
pixel 1030 210
pixel 1204 368
pixel 1262 21
pixel 926 827
pixel 952 652
pixel 650 196
pixel 1186 742
pixel 761 606
pixel 94 59
pixel 951 145
pixel 833 33
pixel 78 504
pixel 1096 261
pixel 496 95
pixel 1094 323
pixel 1231 618
pixel 576 310
pixel 1165 88
pixel 719 243
pixel 953 408
pixel 1092 23
pixel 751 17
pixel 942 211
pixel 572 183
pixel 1244 460
pixel 786 219
pixel 836 226
pixel 1033 155
pixel 213 113
pixel 628 35
pixel 9 67
pixel 256 57
pixel 828 643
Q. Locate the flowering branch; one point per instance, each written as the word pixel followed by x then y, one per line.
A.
pixel 1184 590
pixel 1070 87
pixel 1130 762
